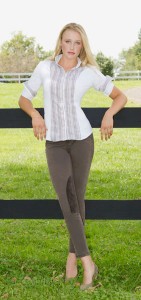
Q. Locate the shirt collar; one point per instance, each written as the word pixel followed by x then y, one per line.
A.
pixel 58 57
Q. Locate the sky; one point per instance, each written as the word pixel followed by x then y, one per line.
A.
pixel 111 26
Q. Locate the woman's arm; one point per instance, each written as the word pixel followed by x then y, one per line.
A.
pixel 119 101
pixel 38 123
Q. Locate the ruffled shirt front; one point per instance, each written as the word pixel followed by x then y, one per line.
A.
pixel 63 92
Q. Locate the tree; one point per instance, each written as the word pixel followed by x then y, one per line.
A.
pixel 132 56
pixel 105 63
pixel 139 35
pixel 20 54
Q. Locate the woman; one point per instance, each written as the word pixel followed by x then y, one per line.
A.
pixel 65 78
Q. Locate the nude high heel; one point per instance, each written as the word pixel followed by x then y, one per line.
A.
pixel 70 278
pixel 86 286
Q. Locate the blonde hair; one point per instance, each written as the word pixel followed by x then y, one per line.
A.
pixel 86 54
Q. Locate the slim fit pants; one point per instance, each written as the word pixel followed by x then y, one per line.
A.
pixel 69 164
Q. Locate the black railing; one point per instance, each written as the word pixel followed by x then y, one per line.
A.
pixel 49 208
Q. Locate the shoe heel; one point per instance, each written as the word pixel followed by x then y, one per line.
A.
pixel 86 286
pixel 69 279
pixel 96 272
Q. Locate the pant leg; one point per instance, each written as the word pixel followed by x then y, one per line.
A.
pixel 60 168
pixel 81 153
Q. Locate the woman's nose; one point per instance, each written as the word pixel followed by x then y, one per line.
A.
pixel 72 46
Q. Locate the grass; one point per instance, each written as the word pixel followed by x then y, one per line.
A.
pixel 10 92
pixel 33 252
pixel 115 169
pixel 33 256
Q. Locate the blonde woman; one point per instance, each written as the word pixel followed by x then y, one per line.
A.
pixel 65 78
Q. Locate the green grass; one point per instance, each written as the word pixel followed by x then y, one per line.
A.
pixel 10 93
pixel 33 256
pixel 33 252
pixel 115 169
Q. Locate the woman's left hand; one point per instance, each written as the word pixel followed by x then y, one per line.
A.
pixel 107 126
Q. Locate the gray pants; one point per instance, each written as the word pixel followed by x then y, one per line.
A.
pixel 69 164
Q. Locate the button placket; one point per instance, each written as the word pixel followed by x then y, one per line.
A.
pixel 64 102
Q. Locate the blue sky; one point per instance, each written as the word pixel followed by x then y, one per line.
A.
pixel 110 25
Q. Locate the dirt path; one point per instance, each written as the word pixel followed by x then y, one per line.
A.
pixel 134 94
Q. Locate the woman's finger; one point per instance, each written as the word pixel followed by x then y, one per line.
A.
pixel 40 132
pixel 35 130
pixel 106 133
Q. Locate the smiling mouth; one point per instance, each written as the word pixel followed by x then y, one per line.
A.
pixel 71 52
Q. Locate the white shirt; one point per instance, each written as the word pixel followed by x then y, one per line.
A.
pixel 63 92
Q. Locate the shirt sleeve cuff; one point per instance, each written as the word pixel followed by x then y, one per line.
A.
pixel 108 85
pixel 26 93
pixel 109 88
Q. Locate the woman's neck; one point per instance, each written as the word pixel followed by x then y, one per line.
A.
pixel 67 64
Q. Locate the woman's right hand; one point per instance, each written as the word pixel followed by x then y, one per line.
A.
pixel 38 124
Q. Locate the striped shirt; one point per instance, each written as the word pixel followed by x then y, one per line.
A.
pixel 63 92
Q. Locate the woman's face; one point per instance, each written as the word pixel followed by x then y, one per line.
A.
pixel 71 44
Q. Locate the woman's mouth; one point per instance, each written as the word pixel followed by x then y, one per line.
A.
pixel 71 52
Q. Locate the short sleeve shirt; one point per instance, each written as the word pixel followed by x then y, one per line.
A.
pixel 63 92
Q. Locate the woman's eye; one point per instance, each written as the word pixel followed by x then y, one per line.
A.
pixel 67 41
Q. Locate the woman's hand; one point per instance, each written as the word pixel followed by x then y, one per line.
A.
pixel 119 101
pixel 107 126
pixel 38 124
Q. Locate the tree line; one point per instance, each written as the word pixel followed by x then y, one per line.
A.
pixel 21 54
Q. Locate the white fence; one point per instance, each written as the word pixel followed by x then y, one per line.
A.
pixel 127 75
pixel 21 77
pixel 14 77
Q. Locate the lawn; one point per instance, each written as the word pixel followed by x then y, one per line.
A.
pixel 33 252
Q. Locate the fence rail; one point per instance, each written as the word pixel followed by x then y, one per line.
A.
pixel 129 117
pixel 21 77
pixel 49 208
pixel 12 77
pixel 127 75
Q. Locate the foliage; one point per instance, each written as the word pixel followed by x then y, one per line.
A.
pixel 132 56
pixel 105 63
pixel 20 54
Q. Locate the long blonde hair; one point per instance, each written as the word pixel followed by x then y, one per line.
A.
pixel 86 54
